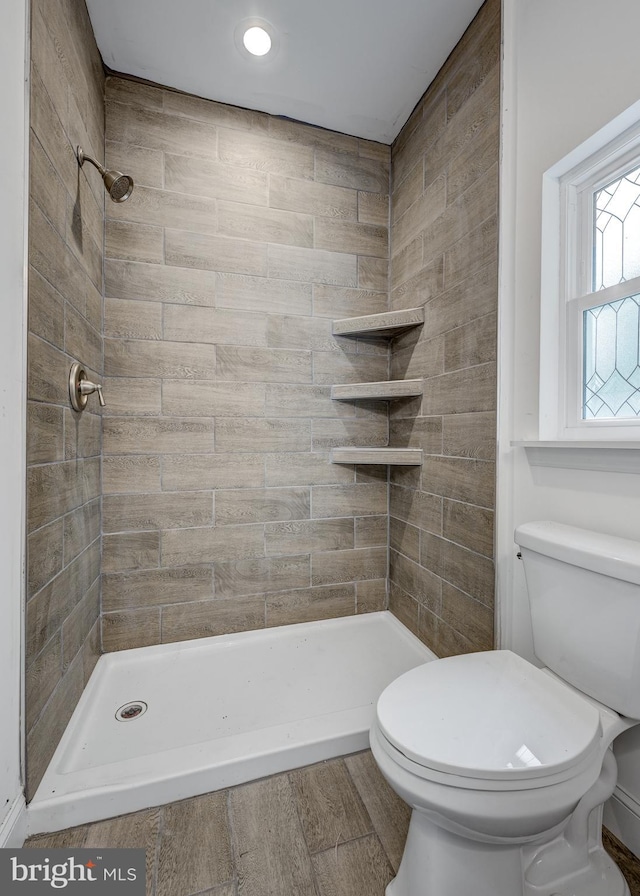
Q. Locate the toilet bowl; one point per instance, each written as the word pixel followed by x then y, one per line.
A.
pixel 507 765
pixel 493 772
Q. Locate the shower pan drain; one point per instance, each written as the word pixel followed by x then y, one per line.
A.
pixel 131 711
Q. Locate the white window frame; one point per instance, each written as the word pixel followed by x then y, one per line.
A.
pixel 566 287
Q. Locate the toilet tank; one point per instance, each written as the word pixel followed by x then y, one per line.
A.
pixel 584 594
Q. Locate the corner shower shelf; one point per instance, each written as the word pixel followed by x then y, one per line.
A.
pixel 408 457
pixel 385 391
pixel 385 324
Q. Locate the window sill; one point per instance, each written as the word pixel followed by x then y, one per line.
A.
pixel 613 457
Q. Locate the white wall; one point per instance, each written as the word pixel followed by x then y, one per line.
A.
pixel 569 68
pixel 12 379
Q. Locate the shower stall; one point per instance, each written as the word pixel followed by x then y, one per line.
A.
pixel 201 502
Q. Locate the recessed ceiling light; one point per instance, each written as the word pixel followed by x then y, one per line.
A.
pixel 257 40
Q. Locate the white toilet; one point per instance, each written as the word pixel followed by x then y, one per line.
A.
pixel 506 765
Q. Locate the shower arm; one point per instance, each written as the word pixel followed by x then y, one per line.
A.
pixel 83 157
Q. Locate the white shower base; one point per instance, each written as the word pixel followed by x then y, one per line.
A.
pixel 221 711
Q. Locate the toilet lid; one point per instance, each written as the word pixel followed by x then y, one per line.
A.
pixel 488 715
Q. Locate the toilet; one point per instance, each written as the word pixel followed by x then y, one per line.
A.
pixel 507 765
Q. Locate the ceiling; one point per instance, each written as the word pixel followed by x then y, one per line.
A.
pixel 355 66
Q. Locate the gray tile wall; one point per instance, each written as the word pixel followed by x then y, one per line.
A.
pixel 444 256
pixel 65 324
pixel 245 236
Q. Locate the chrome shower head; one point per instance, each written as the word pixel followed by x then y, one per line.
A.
pixel 119 186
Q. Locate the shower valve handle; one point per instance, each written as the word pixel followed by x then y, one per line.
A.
pixel 80 388
pixel 86 387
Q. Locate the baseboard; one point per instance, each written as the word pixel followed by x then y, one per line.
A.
pixel 13 830
pixel 622 818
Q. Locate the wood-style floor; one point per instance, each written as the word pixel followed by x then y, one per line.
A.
pixel 332 829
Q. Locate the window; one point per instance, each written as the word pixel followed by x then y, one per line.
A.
pixel 590 322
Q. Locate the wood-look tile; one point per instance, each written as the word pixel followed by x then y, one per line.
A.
pixel 329 806
pixel 78 624
pixel 271 296
pixel 133 93
pixel 310 604
pixel 45 735
pixel 358 868
pixel 183 547
pixel 45 187
pixel 215 180
pixel 42 675
pixel 159 283
pixel 194 472
pixel 186 621
pixel 149 435
pixel 390 815
pixel 237 363
pixel 469 526
pixel 261 576
pixel 195 847
pixel 310 468
pixel 271 854
pixel 156 511
pixel 131 474
pixel 373 208
pixel 334 567
pixel 371 531
pixel 469 435
pixel 153 129
pixel 45 310
pixel 461 479
pixel 185 104
pixel 356 173
pixel 269 225
pixel 302 400
pixel 144 358
pixel 417 432
pixel 295 331
pixel 404 538
pixel 45 433
pixel 204 398
pixel 338 302
pixel 71 838
pixel 424 585
pixel 350 433
pixel 139 830
pixel 312 265
pixel 144 165
pixel 473 619
pixel 624 858
pixel 44 555
pixel 142 588
pixel 468 571
pixel 130 550
pixel 185 249
pixel 404 607
pixel 134 242
pixel 127 319
pixel 359 499
pixel 462 391
pixel 245 505
pixel 48 372
pixel 260 153
pixel 475 251
pixel 184 323
pixel 322 200
pixel 240 436
pixel 346 236
pixel 81 529
pixel 130 628
pixel 371 596
pixel 373 273
pixel 308 536
pixel 421 509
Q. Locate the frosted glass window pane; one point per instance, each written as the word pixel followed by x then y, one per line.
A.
pixel 611 374
pixel 616 231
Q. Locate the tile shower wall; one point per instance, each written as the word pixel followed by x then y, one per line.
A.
pixel 245 236
pixel 65 324
pixel 444 257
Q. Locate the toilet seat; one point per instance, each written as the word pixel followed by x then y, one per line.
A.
pixel 489 717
